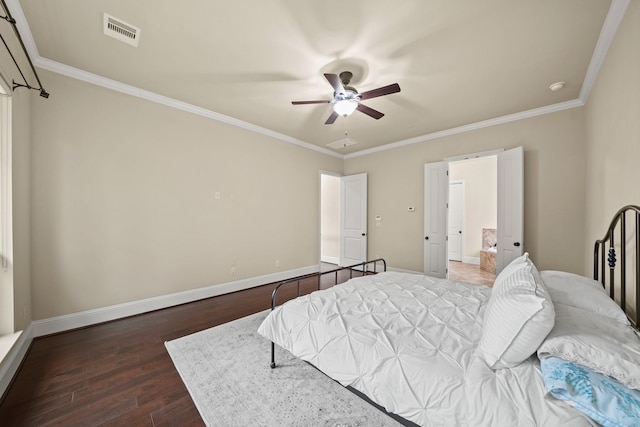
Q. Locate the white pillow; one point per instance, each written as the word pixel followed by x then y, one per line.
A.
pixel 595 341
pixel 582 292
pixel 518 317
pixel 510 268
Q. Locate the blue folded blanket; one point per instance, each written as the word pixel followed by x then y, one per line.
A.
pixel 602 398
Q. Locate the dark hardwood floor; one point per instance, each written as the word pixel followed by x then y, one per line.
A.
pixel 119 373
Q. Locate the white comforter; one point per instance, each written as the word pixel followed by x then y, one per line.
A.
pixel 407 341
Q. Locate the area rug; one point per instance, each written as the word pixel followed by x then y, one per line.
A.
pixel 226 370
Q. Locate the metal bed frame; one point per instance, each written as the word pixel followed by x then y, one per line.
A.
pixel 362 267
pixel 617 237
pixel 627 239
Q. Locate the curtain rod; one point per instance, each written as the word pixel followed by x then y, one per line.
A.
pixel 10 20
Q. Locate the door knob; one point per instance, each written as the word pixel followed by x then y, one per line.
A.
pixel 426 238
pixel 460 231
pixel 516 244
pixel 364 234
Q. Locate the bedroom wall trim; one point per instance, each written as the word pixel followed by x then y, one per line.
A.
pixel 402 270
pixel 473 155
pixel 117 86
pixel 607 34
pixel 81 319
pixel 11 363
pixel 330 260
pixel 561 106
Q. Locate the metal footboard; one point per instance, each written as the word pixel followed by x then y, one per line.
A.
pixel 367 267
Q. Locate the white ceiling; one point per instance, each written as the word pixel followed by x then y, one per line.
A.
pixel 458 63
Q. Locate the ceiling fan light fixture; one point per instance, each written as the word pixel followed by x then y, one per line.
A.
pixel 345 107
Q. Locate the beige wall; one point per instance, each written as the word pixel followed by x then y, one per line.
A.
pixel 613 137
pixel 613 131
pixel 554 164
pixel 480 177
pixel 124 204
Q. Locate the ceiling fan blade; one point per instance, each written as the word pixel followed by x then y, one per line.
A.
pixel 309 102
pixel 335 82
pixel 369 111
pixel 332 118
pixel 381 91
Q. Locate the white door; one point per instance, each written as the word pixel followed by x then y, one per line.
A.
pixel 353 219
pixel 510 206
pixel 456 220
pixel 435 219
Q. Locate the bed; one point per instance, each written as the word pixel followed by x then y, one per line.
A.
pixel 538 349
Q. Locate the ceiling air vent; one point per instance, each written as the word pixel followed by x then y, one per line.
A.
pixel 342 143
pixel 118 29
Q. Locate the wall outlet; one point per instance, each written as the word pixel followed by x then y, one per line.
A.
pixel 233 270
pixel 217 195
pixel 277 263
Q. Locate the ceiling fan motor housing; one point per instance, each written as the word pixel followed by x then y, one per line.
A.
pixel 345 78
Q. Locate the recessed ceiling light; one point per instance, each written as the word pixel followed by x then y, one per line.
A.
pixel 557 86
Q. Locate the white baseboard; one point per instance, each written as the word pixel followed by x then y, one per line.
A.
pixel 471 260
pixel 402 270
pixel 10 364
pixel 330 260
pixel 81 319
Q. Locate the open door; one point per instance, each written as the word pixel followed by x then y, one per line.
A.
pixel 436 183
pixel 353 219
pixel 510 206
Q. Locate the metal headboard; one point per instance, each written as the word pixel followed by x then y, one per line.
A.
pixel 619 222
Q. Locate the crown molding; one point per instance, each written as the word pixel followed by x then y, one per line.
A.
pixel 85 76
pixel 472 126
pixel 607 34
pixel 609 29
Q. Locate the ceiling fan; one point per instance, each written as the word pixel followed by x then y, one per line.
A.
pixel 346 99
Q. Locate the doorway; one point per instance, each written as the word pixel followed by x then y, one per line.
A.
pixel 329 220
pixel 479 202
pixel 472 219
pixel 509 206
pixel 343 219
pixel 455 233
